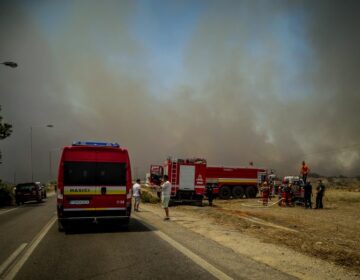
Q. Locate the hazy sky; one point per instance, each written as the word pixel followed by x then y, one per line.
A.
pixel 273 82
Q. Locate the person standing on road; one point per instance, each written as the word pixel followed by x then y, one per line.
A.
pixel 320 195
pixel 165 196
pixel 137 194
pixel 304 170
pixel 307 195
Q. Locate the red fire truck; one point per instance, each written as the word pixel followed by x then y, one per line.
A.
pixel 235 182
pixel 227 182
pixel 94 183
pixel 187 177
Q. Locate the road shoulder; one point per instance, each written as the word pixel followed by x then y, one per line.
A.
pixel 246 248
pixel 223 258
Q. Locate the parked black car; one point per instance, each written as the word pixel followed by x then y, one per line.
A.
pixel 28 192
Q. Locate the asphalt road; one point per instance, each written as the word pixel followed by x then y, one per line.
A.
pixel 20 225
pixel 149 248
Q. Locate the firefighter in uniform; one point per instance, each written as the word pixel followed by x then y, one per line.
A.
pixel 210 194
pixel 280 195
pixel 265 189
pixel 288 194
pixel 271 185
pixel 319 195
pixel 272 190
pixel 307 195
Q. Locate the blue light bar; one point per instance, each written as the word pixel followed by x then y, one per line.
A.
pixel 96 144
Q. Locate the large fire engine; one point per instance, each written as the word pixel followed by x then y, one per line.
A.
pixel 189 177
pixel 235 182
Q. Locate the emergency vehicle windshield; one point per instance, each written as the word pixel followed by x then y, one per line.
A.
pixel 94 174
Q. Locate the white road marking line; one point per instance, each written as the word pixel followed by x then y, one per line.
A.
pixel 12 209
pixel 33 244
pixel 6 211
pixel 12 257
pixel 195 258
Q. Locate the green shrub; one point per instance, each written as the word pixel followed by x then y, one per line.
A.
pixel 148 197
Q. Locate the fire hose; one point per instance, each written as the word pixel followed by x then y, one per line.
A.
pixel 261 206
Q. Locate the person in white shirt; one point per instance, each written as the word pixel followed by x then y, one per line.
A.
pixel 137 194
pixel 165 196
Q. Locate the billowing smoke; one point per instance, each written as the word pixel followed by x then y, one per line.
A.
pixel 270 82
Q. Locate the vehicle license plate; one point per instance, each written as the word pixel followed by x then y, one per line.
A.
pixel 79 202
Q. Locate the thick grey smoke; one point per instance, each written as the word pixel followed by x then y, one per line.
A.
pixel 269 82
pixel 261 109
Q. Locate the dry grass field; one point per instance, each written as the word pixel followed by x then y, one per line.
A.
pixel 331 234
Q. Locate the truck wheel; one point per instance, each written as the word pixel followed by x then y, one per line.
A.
pixel 238 192
pixel 225 192
pixel 251 192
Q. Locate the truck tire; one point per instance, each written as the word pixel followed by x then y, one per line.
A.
pixel 225 192
pixel 238 192
pixel 251 192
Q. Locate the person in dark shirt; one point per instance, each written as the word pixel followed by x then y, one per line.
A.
pixel 210 194
pixel 308 195
pixel 320 195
